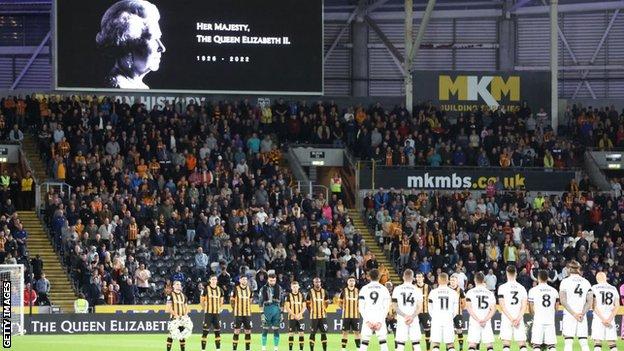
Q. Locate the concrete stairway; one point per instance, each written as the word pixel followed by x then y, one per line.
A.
pixel 29 146
pixel 61 292
pixel 369 237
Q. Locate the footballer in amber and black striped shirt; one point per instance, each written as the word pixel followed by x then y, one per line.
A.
pixel 295 306
pixel 241 304
pixel 349 303
pixel 212 302
pixel 318 299
pixel 177 306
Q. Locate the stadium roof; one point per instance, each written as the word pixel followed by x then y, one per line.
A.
pixel 335 6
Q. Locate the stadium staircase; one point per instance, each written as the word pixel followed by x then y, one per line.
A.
pixel 62 292
pixel 369 238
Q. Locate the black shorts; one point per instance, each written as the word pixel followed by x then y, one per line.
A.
pixel 318 325
pixel 458 322
pixel 425 321
pixel 351 324
pixel 212 319
pixel 294 326
pixel 242 322
pixel 391 323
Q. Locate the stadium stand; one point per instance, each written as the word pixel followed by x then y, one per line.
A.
pixel 140 181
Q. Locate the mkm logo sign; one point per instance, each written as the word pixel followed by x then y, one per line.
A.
pixel 491 89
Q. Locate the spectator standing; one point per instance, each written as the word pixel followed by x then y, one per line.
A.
pixel 37 267
pixel 27 195
pixel 335 185
pixel 42 286
pixel 81 305
pixel 142 277
pixel 203 233
pixel 16 134
pixel 491 280
pixel 201 263
pixel 30 295
pixel 127 292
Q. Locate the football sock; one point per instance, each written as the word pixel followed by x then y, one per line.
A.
pixel 264 338
pixel 235 341
pixel 312 341
pixel 247 341
pixel 276 338
pixel 203 340
pixel 584 344
pixel 383 345
pixel 364 345
pixel 400 346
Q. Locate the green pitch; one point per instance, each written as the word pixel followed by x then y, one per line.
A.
pixel 154 342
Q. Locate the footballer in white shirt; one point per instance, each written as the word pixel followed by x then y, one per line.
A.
pixel 543 304
pixel 576 298
pixel 443 307
pixel 606 304
pixel 512 298
pixel 408 302
pixel 374 306
pixel 481 306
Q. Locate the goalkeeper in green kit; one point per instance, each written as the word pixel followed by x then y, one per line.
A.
pixel 270 300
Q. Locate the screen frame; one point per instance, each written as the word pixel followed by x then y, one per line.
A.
pixel 56 87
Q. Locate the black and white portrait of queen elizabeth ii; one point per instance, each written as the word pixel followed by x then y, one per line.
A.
pixel 130 35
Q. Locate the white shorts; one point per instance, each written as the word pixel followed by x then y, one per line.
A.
pixel 600 332
pixel 570 327
pixel 478 334
pixel 406 332
pixel 543 334
pixel 382 333
pixel 509 333
pixel 442 333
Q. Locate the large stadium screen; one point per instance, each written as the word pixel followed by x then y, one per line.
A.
pixel 216 46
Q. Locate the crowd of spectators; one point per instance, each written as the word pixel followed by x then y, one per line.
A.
pixel 17 193
pixel 596 127
pixel 201 185
pixel 178 193
pixel 467 232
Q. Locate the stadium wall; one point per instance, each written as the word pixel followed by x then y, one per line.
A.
pixel 156 322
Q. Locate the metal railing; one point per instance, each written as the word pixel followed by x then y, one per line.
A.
pixel 379 165
pixel 47 185
pixel 311 188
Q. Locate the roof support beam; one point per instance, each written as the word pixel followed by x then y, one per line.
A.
pixel 31 60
